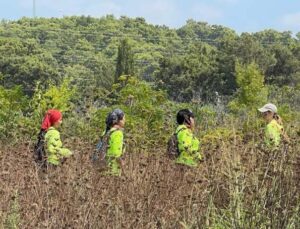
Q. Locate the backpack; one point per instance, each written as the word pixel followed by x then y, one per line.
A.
pixel 39 149
pixel 99 154
pixel 173 150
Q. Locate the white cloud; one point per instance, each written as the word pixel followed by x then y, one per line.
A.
pixel 55 7
pixel 291 20
pixel 205 12
pixel 156 11
pixel 159 6
pixel 102 8
pixel 160 12
pixel 95 8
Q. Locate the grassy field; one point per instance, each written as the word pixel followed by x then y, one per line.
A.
pixel 236 186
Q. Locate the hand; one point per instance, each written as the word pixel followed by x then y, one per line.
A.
pixel 199 157
pixel 63 160
pixel 122 162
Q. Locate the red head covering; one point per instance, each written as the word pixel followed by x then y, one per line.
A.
pixel 51 117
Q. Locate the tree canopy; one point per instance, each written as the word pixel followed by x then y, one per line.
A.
pixel 192 62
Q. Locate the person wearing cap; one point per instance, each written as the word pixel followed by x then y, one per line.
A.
pixel 274 128
pixel 115 122
pixel 188 144
pixel 54 149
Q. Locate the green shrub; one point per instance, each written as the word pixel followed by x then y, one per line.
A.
pixel 13 105
pixel 13 218
pixel 145 110
pixel 251 90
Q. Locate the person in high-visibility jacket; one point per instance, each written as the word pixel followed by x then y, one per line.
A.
pixel 274 130
pixel 115 123
pixel 188 144
pixel 55 152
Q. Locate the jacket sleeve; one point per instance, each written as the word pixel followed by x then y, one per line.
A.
pixel 54 145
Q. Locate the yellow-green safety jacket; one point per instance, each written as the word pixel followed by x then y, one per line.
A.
pixel 273 132
pixel 188 146
pixel 54 149
pixel 114 151
pixel 115 146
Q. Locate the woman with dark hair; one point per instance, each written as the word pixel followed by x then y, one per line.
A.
pixel 115 123
pixel 188 144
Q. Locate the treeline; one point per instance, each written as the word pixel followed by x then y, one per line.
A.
pixel 195 62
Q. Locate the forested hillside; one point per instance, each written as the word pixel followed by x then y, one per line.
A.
pixel 197 59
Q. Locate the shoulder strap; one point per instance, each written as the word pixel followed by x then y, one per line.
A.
pixel 112 131
pixel 177 132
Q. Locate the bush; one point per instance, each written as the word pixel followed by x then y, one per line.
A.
pixel 251 90
pixel 145 109
pixel 13 105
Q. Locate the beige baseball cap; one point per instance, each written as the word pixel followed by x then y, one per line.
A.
pixel 268 107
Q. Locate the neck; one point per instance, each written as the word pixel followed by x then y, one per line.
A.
pixel 270 120
pixel 188 126
pixel 117 126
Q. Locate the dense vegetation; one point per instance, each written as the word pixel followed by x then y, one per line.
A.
pixel 198 58
pixel 86 66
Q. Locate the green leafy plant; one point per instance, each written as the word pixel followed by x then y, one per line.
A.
pixel 13 218
pixel 252 92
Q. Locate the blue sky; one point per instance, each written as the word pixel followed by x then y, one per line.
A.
pixel 240 15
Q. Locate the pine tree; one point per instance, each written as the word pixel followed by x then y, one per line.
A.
pixel 124 60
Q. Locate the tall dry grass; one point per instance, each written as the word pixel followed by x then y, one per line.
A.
pixel 236 186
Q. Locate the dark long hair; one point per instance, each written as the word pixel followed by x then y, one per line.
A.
pixel 113 118
pixel 184 116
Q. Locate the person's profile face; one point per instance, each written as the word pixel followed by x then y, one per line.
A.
pixel 267 116
pixel 58 123
pixel 192 123
pixel 122 122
